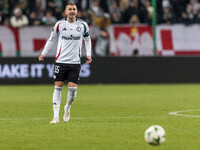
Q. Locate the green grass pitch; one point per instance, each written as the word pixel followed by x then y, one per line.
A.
pixel 103 117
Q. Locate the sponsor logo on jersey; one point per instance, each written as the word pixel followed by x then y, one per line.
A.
pixel 71 37
pixel 78 29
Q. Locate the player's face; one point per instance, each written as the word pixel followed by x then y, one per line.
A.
pixel 71 11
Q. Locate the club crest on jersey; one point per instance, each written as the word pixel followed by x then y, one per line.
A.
pixel 78 29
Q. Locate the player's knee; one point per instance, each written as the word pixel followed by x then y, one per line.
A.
pixel 72 84
pixel 72 92
pixel 59 84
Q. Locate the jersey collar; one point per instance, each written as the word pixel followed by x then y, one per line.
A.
pixel 66 19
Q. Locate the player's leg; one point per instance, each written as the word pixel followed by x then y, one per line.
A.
pixel 59 78
pixel 57 100
pixel 72 92
pixel 73 77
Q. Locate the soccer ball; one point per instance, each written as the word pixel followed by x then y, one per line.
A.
pixel 155 135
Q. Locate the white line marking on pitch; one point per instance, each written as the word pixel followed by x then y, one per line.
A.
pixel 82 118
pixel 130 117
pixel 177 113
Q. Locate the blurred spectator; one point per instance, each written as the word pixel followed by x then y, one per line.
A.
pixel 166 16
pixel 149 12
pixel 123 5
pixel 1 18
pixel 32 5
pixel 96 9
pixel 131 10
pixel 101 44
pixel 134 20
pixel 58 13
pixel 197 19
pixel 51 4
pixel 83 5
pixel 115 18
pixel 119 11
pixel 114 8
pixel 142 10
pixel 23 4
pixel 178 6
pixel 105 21
pixel 49 19
pixel 83 14
pixel 33 19
pixel 115 13
pixel 96 13
pixel 191 12
pixel 5 8
pixel 184 18
pixel 18 20
pixel 104 5
pixel 58 3
pixel 196 5
pixel 56 7
pixel 39 8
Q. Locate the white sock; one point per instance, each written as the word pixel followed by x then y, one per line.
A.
pixel 72 92
pixel 56 100
pixel 56 109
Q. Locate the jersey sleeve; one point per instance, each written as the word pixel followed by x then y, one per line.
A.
pixel 86 30
pixel 52 38
pixel 87 39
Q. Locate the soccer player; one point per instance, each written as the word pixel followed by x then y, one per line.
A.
pixel 70 32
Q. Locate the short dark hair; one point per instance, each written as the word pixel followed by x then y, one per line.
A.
pixel 70 4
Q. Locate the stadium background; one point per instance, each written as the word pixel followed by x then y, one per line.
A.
pixel 119 29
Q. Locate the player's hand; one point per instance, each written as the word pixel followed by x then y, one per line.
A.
pixel 41 57
pixel 89 60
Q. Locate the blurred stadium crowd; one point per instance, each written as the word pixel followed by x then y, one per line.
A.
pixel 100 13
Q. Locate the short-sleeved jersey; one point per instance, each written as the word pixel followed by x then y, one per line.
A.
pixel 70 37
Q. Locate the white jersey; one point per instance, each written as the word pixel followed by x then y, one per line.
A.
pixel 70 38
